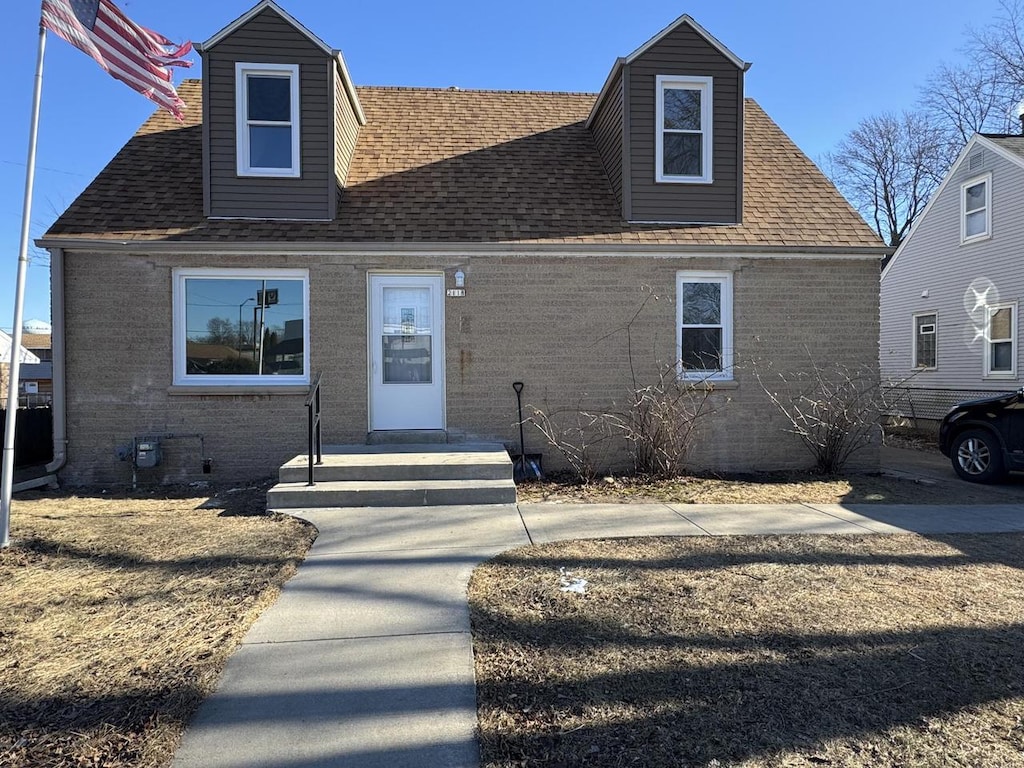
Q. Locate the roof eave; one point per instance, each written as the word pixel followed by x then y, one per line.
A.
pixel 246 17
pixel 350 89
pixel 443 248
pixel 995 146
pixel 711 39
pixel 604 90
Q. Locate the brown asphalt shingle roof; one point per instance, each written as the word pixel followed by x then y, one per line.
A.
pixel 35 340
pixel 448 166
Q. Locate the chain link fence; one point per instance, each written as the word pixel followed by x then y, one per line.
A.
pixel 921 403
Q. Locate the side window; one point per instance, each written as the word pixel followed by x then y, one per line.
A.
pixel 241 326
pixel 683 130
pixel 267 119
pixel 1000 340
pixel 925 335
pixel 976 209
pixel 704 325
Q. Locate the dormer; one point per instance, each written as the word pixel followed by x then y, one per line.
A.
pixel 280 120
pixel 669 126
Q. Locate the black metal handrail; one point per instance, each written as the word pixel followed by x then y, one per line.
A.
pixel 315 440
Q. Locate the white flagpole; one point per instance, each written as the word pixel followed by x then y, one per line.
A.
pixel 7 483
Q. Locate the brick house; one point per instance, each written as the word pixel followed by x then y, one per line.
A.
pixel 425 248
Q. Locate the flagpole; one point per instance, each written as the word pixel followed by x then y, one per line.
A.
pixel 7 482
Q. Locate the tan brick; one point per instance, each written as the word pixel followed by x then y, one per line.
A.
pixel 556 323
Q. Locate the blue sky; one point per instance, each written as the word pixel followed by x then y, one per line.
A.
pixel 818 69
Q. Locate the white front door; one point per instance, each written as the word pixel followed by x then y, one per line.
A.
pixel 406 351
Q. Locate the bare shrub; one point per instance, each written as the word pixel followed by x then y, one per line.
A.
pixel 656 421
pixel 580 436
pixel 659 421
pixel 834 409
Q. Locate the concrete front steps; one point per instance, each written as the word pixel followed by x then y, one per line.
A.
pixel 408 475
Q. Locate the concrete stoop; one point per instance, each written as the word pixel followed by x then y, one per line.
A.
pixel 406 475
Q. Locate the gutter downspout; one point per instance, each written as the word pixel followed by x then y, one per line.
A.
pixel 60 440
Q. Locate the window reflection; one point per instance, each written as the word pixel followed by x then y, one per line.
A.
pixel 244 327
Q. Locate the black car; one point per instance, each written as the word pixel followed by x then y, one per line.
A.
pixel 985 438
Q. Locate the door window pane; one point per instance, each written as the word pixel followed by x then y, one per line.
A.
pixel 407 310
pixel 407 323
pixel 407 359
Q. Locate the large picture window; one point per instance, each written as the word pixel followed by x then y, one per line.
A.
pixel 267 119
pixel 241 327
pixel 1000 340
pixel 683 130
pixel 704 323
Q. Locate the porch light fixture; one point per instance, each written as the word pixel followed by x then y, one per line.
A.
pixel 460 279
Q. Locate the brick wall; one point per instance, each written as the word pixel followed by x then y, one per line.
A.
pixel 557 324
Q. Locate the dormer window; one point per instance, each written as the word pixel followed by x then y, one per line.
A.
pixel 683 126
pixel 267 119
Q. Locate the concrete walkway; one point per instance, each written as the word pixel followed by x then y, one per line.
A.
pixel 366 659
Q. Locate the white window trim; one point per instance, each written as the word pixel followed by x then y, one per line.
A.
pixel 725 278
pixel 913 345
pixel 1014 335
pixel 704 85
pixel 985 178
pixel 181 378
pixel 242 71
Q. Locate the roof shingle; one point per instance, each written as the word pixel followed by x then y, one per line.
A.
pixel 451 166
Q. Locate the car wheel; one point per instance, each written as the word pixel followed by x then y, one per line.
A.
pixel 977 456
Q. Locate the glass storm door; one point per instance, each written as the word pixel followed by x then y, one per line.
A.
pixel 406 352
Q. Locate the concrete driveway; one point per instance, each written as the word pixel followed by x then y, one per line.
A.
pixel 933 467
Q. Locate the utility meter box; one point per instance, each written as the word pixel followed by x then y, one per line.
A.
pixel 147 453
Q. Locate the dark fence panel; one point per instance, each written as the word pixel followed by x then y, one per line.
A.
pixel 33 440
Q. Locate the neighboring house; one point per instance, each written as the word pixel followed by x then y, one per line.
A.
pixel 26 359
pixel 36 379
pixel 426 248
pixel 950 296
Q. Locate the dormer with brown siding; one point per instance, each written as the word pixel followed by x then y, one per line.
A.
pixel 280 119
pixel 669 127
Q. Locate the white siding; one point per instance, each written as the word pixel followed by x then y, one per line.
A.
pixel 934 272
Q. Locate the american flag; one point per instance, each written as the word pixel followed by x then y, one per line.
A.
pixel 134 55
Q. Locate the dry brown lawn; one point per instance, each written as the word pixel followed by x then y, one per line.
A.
pixel 119 614
pixel 773 488
pixel 754 651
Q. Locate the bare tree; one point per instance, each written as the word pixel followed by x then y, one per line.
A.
pixel 981 94
pixel 888 166
pixel 964 100
pixel 1001 46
